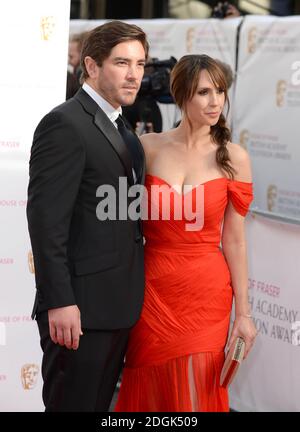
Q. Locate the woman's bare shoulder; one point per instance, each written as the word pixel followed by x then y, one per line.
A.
pixel 240 161
pixel 152 142
pixel 149 138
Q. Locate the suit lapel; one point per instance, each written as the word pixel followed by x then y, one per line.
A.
pixel 108 130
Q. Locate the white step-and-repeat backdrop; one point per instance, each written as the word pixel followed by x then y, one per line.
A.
pixel 34 52
pixel 265 104
pixel 266 122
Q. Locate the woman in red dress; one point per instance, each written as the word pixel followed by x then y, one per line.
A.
pixel 176 350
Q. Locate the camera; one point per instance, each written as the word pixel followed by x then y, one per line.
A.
pixel 144 115
pixel 156 81
pixel 220 11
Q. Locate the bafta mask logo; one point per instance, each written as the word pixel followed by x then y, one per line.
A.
pixel 271 197
pixel 252 39
pixel 30 262
pixel 244 138
pixel 47 27
pixel 280 92
pixel 190 37
pixel 29 376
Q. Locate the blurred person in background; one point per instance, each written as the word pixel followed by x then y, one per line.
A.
pixel 74 69
pixel 225 10
pixel 198 9
pixel 74 55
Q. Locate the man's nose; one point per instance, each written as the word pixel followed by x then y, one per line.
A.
pixel 132 73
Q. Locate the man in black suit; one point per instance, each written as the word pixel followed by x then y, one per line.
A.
pixel 89 272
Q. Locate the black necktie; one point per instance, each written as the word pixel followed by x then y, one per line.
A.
pixel 132 143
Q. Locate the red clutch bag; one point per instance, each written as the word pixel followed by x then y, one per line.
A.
pixel 232 362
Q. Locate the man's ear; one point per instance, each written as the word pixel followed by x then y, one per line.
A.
pixel 91 67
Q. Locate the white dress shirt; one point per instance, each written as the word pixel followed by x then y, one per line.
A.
pixel 111 112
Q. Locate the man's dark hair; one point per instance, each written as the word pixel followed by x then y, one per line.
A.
pixel 100 41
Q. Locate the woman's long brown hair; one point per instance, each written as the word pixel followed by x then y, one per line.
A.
pixel 184 83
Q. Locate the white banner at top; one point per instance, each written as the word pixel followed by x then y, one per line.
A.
pixel 171 37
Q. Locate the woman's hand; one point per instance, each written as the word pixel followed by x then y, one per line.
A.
pixel 244 327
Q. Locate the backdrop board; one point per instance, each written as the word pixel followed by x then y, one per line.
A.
pixel 269 379
pixel 267 110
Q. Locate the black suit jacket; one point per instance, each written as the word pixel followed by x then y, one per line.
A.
pixel 98 265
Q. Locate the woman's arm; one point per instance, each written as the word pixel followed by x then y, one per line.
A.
pixel 235 252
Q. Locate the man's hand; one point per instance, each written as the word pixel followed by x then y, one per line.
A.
pixel 65 326
pixel 232 12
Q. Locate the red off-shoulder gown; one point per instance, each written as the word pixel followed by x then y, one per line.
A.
pixel 176 349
